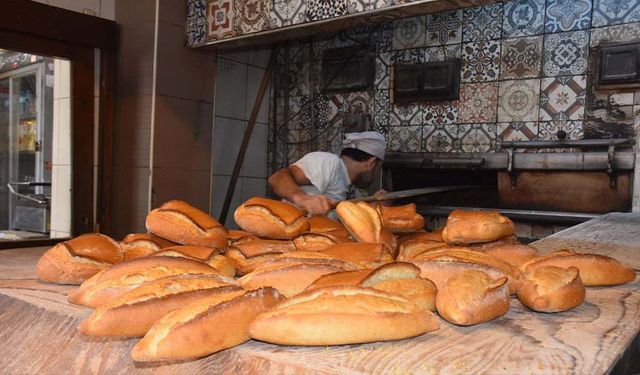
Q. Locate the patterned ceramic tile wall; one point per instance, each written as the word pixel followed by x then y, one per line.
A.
pixel 525 76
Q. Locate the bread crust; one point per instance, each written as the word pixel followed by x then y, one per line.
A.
pixel 366 255
pixel 421 292
pixel 133 313
pixel 342 278
pixel 268 218
pixel 235 236
pixel 515 255
pixel 400 219
pixel 137 245
pixel 73 261
pixel 322 224
pixel 201 253
pixel 311 241
pixel 184 224
pixel 289 279
pixel 410 249
pixel 342 315
pixel 472 297
pixel 468 227
pixel 595 270
pixel 551 289
pixel 439 271
pixel 205 327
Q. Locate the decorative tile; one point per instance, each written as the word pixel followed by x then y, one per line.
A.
pixel 480 61
pixel 287 13
pixel 522 18
pixel 477 137
pixel 614 12
pixel 408 56
pixel 444 28
pixel 482 23
pixel 329 110
pixel 434 54
pixel 357 102
pixel 404 138
pixel 518 100
pixel 563 98
pixel 521 57
pixel 517 131
pixel 383 70
pixel 405 114
pixel 439 138
pixel 322 9
pixel 381 109
pixel 440 113
pixel 357 6
pixel 298 115
pixel 383 36
pixel 478 102
pixel 614 34
pixel 566 53
pixel 567 15
pixel 220 19
pixel 294 79
pixel 408 33
pixel 549 130
pixel 196 22
pixel 251 15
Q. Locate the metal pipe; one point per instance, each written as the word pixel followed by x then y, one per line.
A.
pixel 570 143
pixel 558 217
pixel 457 162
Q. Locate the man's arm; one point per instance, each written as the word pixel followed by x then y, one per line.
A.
pixel 286 184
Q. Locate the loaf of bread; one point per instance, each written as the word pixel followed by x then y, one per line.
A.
pixel 472 297
pixel 289 279
pixel 342 315
pixel 268 218
pixel 235 236
pixel 125 276
pixel 367 277
pixel 134 312
pixel 138 245
pixel 551 289
pixel 462 254
pixel 419 236
pixel 204 254
pixel 364 224
pixel 410 249
pixel 311 241
pixel 322 224
pixel 468 227
pixel 206 326
pixel 365 255
pixel 307 257
pixel 246 256
pixel 439 271
pixel 400 219
pixel 73 261
pixel 182 223
pixel 342 278
pixel 506 241
pixel 595 270
pixel 515 255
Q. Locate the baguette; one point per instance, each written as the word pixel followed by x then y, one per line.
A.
pixel 268 218
pixel 133 313
pixel 137 245
pixel 207 255
pixel 246 256
pixel 364 224
pixel 400 219
pixel 468 227
pixel 235 236
pixel 595 270
pixel 73 261
pixel 205 327
pixel 419 236
pixel 311 241
pixel 146 269
pixel 322 224
pixel 506 241
pixel 289 279
pixel 551 289
pixel 410 249
pixel 307 257
pixel 368 277
pixel 472 297
pixel 342 278
pixel 184 224
pixel 342 315
pixel 467 255
pixel 365 255
pixel 439 271
pixel 515 255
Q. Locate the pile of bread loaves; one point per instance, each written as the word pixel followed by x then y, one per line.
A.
pixel 190 287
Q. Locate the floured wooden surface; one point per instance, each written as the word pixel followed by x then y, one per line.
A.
pixel 38 330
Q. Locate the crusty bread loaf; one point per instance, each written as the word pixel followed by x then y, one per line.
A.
pixel 551 289
pixel 462 254
pixel 400 219
pixel 246 256
pixel 515 255
pixel 235 236
pixel 311 241
pixel 467 227
pixel 268 218
pixel 182 223
pixel 342 278
pixel 204 254
pixel 223 265
pixel 137 245
pixel 472 297
pixel 595 270
pixel 342 315
pixel 419 236
pixel 366 255
pixel 205 326
pixel 307 257
pixel 506 241
pixel 410 249
pixel 322 224
pixel 134 312
pixel 73 261
pixel 439 271
pixel 364 223
pixel 129 275
pixel 289 279
pixel 391 271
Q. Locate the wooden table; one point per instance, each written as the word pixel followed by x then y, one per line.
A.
pixel 38 330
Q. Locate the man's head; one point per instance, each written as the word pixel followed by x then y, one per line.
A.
pixel 365 151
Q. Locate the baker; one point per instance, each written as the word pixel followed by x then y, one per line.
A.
pixel 319 180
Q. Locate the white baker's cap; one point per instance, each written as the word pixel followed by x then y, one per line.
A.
pixel 373 143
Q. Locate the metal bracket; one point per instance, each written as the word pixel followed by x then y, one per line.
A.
pixel 513 175
pixel 611 158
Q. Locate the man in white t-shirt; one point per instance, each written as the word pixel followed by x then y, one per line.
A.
pixel 320 180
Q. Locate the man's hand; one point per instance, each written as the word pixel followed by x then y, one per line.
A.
pixel 315 204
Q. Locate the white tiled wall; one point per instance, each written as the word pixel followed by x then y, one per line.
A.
pixel 238 77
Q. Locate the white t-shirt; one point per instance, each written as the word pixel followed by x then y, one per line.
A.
pixel 327 173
